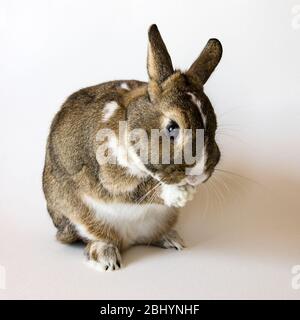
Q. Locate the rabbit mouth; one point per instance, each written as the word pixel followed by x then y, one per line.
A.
pixel 195 180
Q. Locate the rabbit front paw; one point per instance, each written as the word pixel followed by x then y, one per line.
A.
pixel 103 256
pixel 177 196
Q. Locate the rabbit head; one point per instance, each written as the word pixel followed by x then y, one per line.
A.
pixel 174 101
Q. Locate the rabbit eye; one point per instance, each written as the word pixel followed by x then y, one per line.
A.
pixel 172 129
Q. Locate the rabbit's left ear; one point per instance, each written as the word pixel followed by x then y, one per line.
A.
pixel 206 63
pixel 159 63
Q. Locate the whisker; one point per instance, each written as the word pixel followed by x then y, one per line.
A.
pixel 152 189
pixel 235 181
pixel 231 110
pixel 216 194
pixel 238 175
pixel 221 194
pixel 232 136
pixel 220 190
pixel 154 195
pixel 233 190
pixel 224 183
pixel 208 193
pixel 206 201
pixel 230 126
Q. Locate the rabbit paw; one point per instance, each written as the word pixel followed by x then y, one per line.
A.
pixel 177 196
pixel 103 256
pixel 171 240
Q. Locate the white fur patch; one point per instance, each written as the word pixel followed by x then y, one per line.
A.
pixel 109 109
pixel 83 232
pixel 95 265
pixel 196 175
pixel 135 223
pixel 176 195
pixel 98 266
pixel 126 157
pixel 124 86
pixel 197 102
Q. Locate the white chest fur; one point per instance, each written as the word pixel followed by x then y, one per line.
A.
pixel 134 223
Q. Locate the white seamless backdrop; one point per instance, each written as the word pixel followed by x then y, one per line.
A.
pixel 243 229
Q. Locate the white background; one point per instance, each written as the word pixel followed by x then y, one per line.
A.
pixel 242 232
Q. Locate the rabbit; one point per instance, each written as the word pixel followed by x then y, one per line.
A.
pixel 112 206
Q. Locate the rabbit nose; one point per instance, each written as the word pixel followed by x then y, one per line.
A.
pixel 194 180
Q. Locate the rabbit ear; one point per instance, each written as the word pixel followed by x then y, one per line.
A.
pixel 159 63
pixel 206 63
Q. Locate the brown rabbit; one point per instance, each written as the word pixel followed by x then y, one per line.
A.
pixel 111 206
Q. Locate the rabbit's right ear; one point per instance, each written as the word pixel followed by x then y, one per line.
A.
pixel 159 63
pixel 206 63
